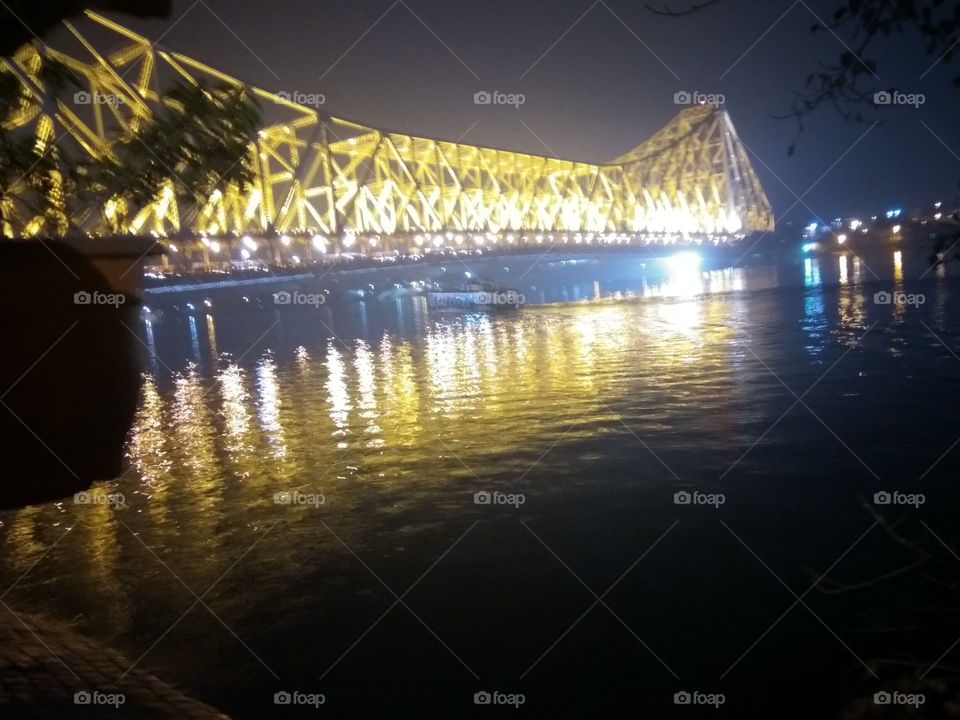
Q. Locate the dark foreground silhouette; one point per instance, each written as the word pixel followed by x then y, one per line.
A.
pixel 68 373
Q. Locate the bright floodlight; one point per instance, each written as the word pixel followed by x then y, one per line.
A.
pixel 684 262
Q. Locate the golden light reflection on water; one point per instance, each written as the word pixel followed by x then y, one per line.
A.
pixel 268 406
pixel 338 394
pixel 366 389
pixel 392 422
pixel 211 335
pixel 898 309
pixel 235 410
pixel 147 449
pixel 211 445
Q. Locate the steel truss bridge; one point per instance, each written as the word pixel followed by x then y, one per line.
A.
pixel 339 186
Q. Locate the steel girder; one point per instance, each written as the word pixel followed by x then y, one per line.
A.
pixel 322 175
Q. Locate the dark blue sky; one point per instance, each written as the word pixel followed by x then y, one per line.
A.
pixel 598 78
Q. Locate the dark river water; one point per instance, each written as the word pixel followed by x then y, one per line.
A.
pixel 312 476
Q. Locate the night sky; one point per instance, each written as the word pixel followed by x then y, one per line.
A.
pixel 598 79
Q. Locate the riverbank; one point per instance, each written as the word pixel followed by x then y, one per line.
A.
pixel 51 671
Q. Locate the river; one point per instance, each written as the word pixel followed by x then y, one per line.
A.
pixel 398 509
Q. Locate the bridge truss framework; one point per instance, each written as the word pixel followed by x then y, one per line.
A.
pixel 350 187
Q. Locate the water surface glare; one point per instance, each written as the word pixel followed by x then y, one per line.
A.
pixel 398 508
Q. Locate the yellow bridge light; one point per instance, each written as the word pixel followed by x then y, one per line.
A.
pixel 691 178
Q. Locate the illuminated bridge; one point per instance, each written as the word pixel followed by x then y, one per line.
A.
pixel 335 185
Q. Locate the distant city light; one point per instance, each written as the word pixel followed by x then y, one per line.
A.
pixel 808 247
pixel 842 238
pixel 855 224
pixel 895 213
pixel 896 229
